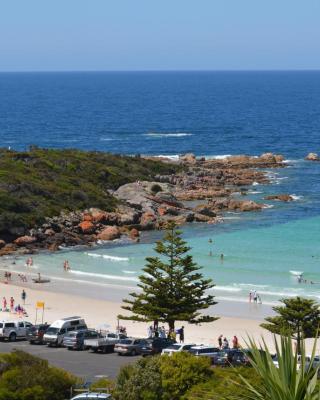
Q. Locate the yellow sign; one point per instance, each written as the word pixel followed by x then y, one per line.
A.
pixel 40 304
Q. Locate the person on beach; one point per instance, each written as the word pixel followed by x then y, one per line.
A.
pixel 220 341
pixel 11 304
pixel 225 344
pixel 250 296
pixel 150 332
pixel 255 297
pixel 4 304
pixel 235 342
pixel 259 299
pixel 221 257
pixel 23 296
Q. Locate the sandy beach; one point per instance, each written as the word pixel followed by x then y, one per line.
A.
pixel 97 312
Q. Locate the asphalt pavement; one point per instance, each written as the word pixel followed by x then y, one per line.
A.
pixel 85 364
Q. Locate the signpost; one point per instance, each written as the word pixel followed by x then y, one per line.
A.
pixel 39 305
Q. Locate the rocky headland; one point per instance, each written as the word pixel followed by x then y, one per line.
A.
pixel 194 190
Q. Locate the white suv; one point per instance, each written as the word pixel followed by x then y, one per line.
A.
pixel 13 330
pixel 176 347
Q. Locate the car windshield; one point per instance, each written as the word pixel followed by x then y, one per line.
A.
pixel 72 334
pixel 174 347
pixel 52 330
pixel 125 341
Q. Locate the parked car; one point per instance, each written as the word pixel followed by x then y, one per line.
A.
pixel 92 396
pixel 35 333
pixel 204 351
pixel 220 358
pixel 129 346
pixel 238 357
pixel 56 331
pixel 13 330
pixel 155 345
pixel 174 348
pixel 104 344
pixel 75 340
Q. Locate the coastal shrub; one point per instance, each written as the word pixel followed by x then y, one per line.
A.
pixel 161 377
pixel 25 377
pixel 224 384
pixel 102 384
pixel 155 188
pixel 41 183
pixel 182 371
pixel 141 381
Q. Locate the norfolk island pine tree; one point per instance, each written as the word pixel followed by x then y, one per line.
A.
pixel 172 288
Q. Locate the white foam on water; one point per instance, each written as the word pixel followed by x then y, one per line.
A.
pixel 296 273
pixel 170 157
pixel 103 276
pixel 114 258
pixel 255 183
pixel 107 257
pixel 218 157
pixel 268 206
pixel 128 272
pixel 254 192
pixel 93 255
pixel 168 134
pixel 295 197
pixel 227 289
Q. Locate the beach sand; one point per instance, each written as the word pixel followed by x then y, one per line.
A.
pixel 98 312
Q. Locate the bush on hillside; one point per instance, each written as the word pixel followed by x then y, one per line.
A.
pixel 25 377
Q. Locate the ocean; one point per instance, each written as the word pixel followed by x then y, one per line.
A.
pixel 168 113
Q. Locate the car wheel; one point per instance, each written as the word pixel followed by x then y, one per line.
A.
pixel 119 354
pixel 31 342
pixel 133 353
pixel 12 337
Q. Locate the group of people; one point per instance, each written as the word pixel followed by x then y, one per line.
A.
pixel 12 308
pixel 223 342
pixel 254 297
pixel 211 253
pixel 160 331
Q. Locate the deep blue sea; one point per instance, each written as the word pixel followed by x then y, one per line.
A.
pixel 169 113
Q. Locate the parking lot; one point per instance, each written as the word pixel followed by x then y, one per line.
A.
pixel 85 364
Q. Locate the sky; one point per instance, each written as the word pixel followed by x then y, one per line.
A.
pixel 70 35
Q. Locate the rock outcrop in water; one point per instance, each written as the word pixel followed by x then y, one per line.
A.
pixel 312 157
pixel 201 191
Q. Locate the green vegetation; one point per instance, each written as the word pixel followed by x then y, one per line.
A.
pixel 298 318
pixel 162 377
pixel 288 380
pixel 25 377
pixel 173 289
pixel 225 384
pixel 43 182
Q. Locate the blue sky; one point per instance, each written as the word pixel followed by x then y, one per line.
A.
pixel 159 35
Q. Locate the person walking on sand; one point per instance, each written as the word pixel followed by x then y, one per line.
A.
pixel 225 344
pixel 23 296
pixel 255 296
pixel 250 296
pixel 4 304
pixel 11 304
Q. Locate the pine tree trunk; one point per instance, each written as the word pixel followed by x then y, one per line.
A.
pixel 171 325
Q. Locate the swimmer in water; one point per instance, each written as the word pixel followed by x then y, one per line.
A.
pixel 221 256
pixel 210 240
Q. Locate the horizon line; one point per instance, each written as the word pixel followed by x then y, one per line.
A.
pixel 157 70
